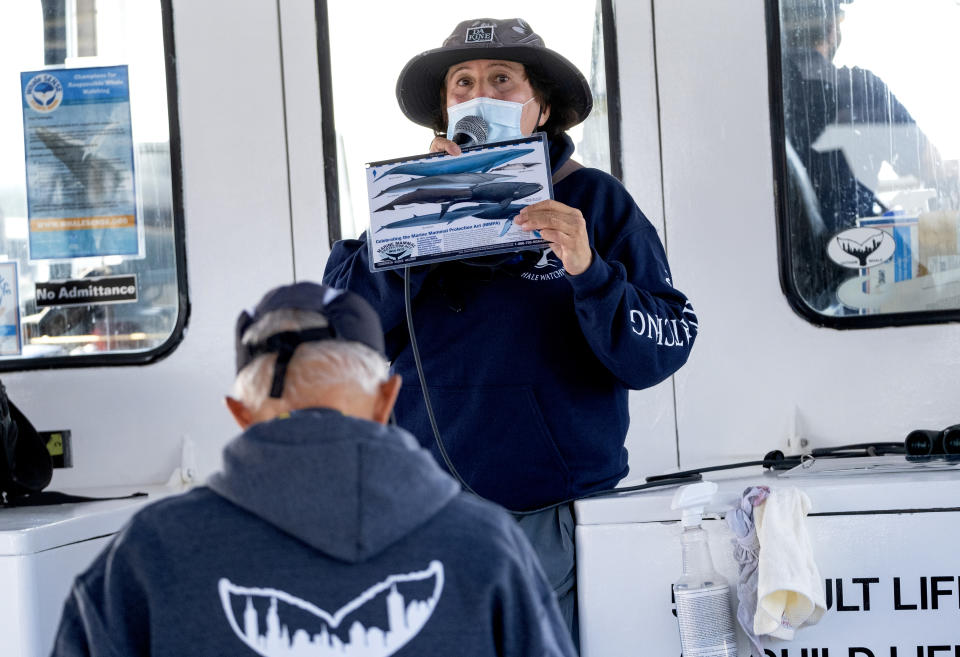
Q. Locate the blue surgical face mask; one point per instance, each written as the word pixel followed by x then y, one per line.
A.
pixel 502 117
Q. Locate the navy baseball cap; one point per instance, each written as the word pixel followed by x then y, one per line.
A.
pixel 349 318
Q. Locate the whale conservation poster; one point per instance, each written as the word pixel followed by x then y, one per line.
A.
pixel 78 142
pixel 429 208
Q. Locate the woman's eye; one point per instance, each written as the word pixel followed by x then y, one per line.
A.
pixel 463 82
pixel 502 78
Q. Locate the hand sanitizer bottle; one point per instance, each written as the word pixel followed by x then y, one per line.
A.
pixel 702 594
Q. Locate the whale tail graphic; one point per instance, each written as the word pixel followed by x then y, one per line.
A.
pixel 860 250
pixel 545 256
pixel 377 623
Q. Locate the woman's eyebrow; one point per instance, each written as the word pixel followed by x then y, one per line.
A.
pixel 512 67
pixel 454 72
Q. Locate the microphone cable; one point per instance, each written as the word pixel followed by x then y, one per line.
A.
pixel 776 459
pixel 423 385
pixel 661 481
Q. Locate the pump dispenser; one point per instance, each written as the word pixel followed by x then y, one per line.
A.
pixel 702 594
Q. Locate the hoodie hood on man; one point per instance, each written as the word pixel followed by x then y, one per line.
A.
pixel 345 486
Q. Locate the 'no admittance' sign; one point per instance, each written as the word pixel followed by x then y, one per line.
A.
pixel 87 291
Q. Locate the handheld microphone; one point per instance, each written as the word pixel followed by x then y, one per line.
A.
pixel 470 131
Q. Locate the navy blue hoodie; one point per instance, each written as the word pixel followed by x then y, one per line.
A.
pixel 528 367
pixel 323 535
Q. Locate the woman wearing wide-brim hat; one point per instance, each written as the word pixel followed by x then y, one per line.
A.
pixel 529 359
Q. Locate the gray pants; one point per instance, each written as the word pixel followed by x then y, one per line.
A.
pixel 550 532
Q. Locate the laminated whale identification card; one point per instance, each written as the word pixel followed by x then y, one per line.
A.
pixel 429 208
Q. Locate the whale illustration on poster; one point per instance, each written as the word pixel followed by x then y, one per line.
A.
pixel 453 180
pixel 472 163
pixel 502 193
pixel 435 207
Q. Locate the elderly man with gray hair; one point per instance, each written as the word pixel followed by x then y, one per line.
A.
pixel 327 532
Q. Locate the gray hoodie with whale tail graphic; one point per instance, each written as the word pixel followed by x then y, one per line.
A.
pixel 323 535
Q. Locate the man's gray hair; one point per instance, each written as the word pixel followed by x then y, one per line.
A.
pixel 321 363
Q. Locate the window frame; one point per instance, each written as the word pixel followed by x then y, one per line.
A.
pixel 331 173
pixel 784 246
pixel 179 232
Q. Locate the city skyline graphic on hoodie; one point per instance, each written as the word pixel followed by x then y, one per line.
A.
pixel 376 623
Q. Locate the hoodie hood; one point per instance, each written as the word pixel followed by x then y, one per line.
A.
pixel 561 148
pixel 347 487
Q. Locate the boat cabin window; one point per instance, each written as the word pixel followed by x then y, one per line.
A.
pixel 867 146
pixel 365 60
pixel 91 255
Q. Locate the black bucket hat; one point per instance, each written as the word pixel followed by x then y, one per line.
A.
pixel 511 39
pixel 349 318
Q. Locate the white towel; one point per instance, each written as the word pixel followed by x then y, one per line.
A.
pixel 790 590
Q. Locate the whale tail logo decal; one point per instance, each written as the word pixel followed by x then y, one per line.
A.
pixel 544 260
pixel 861 250
pixel 376 623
